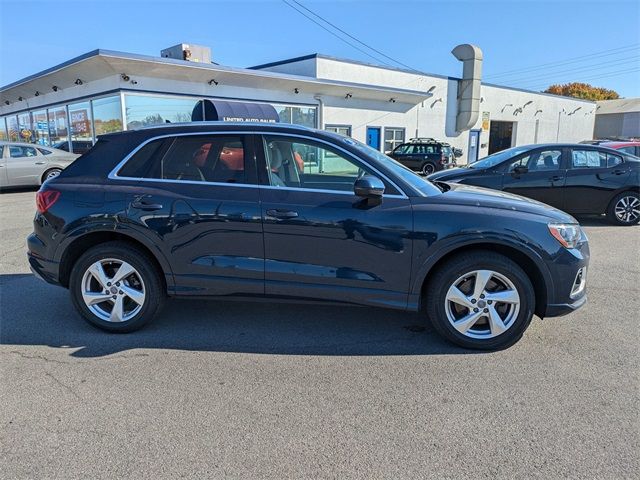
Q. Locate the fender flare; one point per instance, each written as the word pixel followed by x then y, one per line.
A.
pixel 120 229
pixel 467 241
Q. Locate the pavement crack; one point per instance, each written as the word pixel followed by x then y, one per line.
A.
pixel 34 357
pixel 63 385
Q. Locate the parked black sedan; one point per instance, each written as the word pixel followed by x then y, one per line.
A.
pixel 576 178
pixel 225 211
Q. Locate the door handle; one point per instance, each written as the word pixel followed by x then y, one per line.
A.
pixel 619 172
pixel 555 178
pixel 282 214
pixel 142 205
pixel 40 163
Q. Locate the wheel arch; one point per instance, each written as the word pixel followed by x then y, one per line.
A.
pixel 88 239
pixel 530 262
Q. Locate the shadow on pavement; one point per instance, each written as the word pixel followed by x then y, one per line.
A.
pixel 34 313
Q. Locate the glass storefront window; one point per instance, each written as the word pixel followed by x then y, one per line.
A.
pixel 58 131
pixel 297 115
pixel 26 133
pixel 41 127
pixel 107 115
pixel 81 129
pixel 144 110
pixel 305 116
pixel 3 130
pixel 12 128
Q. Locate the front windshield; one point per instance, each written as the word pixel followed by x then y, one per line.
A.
pixel 497 158
pixel 417 182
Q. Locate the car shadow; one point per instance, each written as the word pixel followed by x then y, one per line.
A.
pixel 35 313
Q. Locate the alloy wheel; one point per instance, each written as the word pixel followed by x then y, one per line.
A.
pixel 52 174
pixel 113 290
pixel 627 209
pixel 482 304
pixel 428 169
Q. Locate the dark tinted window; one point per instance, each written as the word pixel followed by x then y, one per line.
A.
pixel 198 158
pixel 539 160
pixel 44 151
pixel 613 160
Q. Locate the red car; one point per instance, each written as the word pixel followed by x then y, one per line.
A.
pixel 632 148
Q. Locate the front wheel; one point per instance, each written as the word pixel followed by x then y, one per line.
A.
pixel 624 209
pixel 480 300
pixel 116 287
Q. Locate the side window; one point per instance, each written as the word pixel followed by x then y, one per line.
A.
pixel 302 163
pixel 539 160
pixel 201 158
pixel 44 151
pixel 613 160
pixel 1 151
pixel 588 159
pixel 405 149
pixel 17 151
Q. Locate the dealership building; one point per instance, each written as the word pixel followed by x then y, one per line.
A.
pixel 105 91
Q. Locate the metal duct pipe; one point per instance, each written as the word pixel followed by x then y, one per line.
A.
pixel 469 86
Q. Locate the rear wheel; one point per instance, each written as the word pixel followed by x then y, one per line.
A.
pixel 480 300
pixel 116 287
pixel 51 173
pixel 624 209
pixel 428 168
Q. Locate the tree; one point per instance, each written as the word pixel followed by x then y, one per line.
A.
pixel 582 90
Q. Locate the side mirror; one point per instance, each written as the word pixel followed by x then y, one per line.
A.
pixel 369 187
pixel 519 170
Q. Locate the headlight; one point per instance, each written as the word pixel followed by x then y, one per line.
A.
pixel 568 234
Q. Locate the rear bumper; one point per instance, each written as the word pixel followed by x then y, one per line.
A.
pixel 41 267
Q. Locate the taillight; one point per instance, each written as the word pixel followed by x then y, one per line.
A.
pixel 45 199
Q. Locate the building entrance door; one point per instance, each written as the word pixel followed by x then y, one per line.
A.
pixel 500 136
pixel 474 144
pixel 373 137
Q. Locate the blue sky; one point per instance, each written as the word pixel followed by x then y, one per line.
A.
pixel 514 35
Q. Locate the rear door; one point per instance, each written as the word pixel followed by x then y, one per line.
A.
pixel 538 174
pixel 25 165
pixel 198 196
pixel 594 176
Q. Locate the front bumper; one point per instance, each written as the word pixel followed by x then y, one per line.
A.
pixel 569 271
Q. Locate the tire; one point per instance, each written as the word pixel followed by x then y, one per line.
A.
pixel 428 168
pixel 139 294
pixel 51 173
pixel 486 332
pixel 624 209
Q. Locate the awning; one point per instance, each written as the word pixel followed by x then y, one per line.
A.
pixel 234 112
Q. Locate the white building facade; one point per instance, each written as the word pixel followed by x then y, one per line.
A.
pixel 105 91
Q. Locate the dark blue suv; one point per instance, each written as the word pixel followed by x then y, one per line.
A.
pixel 278 211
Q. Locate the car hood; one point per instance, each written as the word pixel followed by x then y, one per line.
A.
pixel 468 195
pixel 453 174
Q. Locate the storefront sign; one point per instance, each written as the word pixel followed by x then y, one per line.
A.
pixel 80 122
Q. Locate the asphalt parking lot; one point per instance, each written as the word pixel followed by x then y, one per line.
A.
pixel 242 390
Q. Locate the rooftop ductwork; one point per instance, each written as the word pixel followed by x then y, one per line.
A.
pixel 469 86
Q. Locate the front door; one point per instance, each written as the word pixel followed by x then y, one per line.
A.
pixel 321 240
pixel 539 174
pixel 24 165
pixel 198 195
pixel 373 137
pixel 474 145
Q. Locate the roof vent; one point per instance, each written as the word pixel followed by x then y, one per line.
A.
pixel 188 52
pixel 469 86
